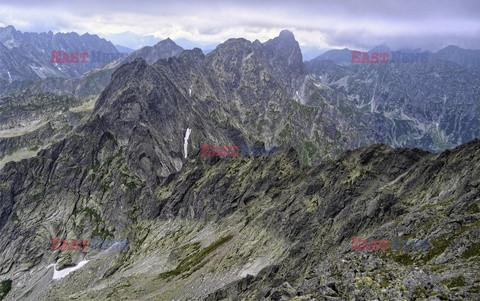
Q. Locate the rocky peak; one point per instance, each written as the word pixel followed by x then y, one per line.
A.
pixel 8 28
pixel 168 41
pixel 286 35
pixel 163 49
pixel 9 36
pixel 168 44
pixel 286 47
pixel 133 71
pixel 234 44
pixel 285 57
pixel 196 54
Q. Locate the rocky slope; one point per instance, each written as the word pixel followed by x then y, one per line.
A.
pixel 32 122
pixel 27 56
pixel 45 111
pixel 233 228
pixel 91 83
pixel 433 105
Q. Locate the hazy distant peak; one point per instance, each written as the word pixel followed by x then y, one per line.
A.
pixel 380 48
pixel 8 28
pixel 287 35
pixel 167 42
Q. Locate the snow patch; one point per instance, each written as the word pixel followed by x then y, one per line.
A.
pixel 185 143
pixel 60 274
pixel 253 268
pixel 42 72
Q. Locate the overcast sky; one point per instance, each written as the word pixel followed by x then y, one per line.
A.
pixel 429 25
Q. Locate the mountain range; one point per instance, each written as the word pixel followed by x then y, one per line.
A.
pixel 364 151
pixel 28 56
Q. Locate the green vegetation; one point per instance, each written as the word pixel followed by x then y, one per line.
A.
pixel 473 250
pixel 12 150
pixel 439 246
pixel 105 187
pixel 40 102
pixel 438 206
pixel 118 155
pixel 475 290
pixel 110 136
pixel 131 185
pixel 140 241
pixel 38 196
pixel 428 224
pixel 101 233
pixel 304 108
pixel 309 151
pixel 66 128
pixel 318 99
pixel 194 262
pixel 89 212
pixel 473 208
pixel 443 241
pixel 286 131
pixel 403 259
pixel 420 291
pixel 35 148
pixel 109 160
pixel 5 287
pixel 96 166
pixel 15 217
pixel 455 282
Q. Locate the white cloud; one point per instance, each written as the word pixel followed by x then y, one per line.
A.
pixel 324 24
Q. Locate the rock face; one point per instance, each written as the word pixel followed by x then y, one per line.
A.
pixel 233 228
pixel 341 57
pixel 430 105
pixel 162 50
pixel 27 56
pixel 92 83
pixel 463 57
pixel 285 58
pixel 43 112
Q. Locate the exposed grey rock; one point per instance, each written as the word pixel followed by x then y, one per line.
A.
pixel 234 228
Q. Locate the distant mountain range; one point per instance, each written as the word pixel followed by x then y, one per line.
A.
pixel 27 56
pixel 93 81
pixel 123 49
pixel 463 57
pixel 433 105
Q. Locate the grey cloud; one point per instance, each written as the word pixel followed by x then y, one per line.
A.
pixel 424 24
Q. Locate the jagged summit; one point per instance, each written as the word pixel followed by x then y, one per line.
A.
pixel 284 54
pixel 286 35
pixel 163 49
pixel 167 41
pixel 8 28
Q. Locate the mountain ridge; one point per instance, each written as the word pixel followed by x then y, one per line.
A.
pixel 215 228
